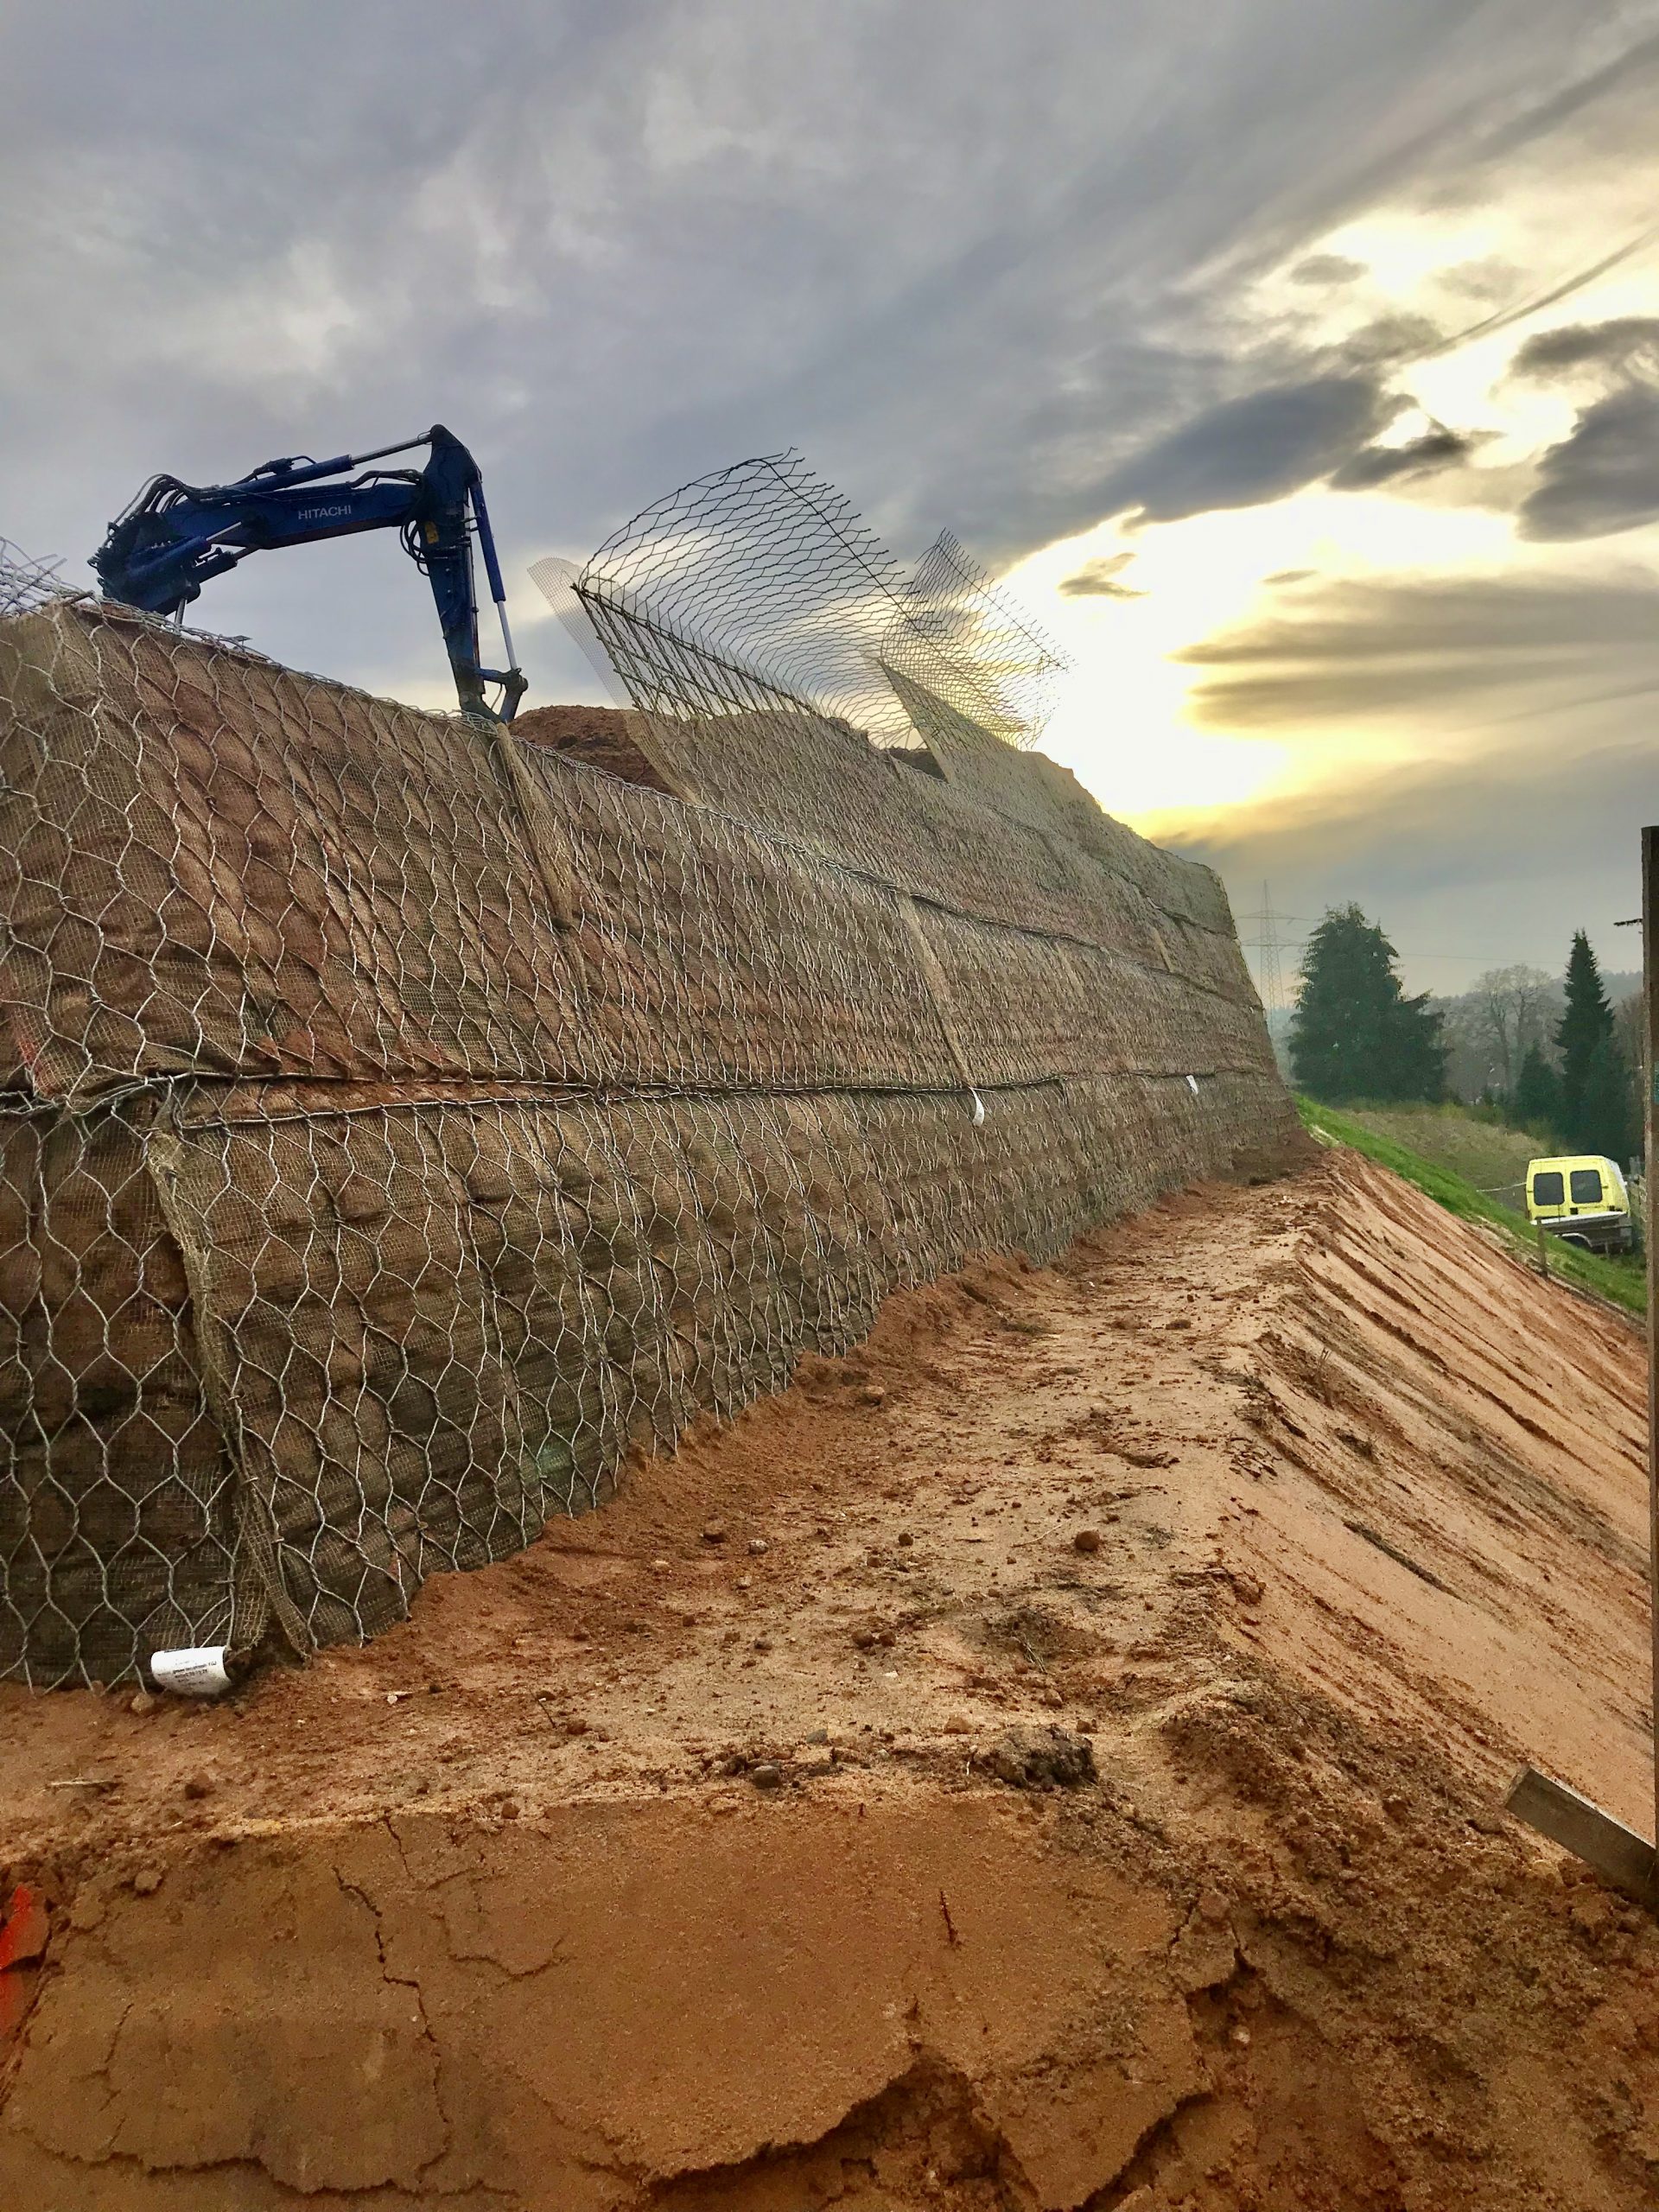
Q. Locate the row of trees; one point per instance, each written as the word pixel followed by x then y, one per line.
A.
pixel 1560 1066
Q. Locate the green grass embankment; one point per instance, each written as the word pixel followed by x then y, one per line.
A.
pixel 1622 1279
pixel 1484 1153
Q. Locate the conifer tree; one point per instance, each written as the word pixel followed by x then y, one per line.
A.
pixel 1606 1117
pixel 1354 1033
pixel 1586 1039
pixel 1536 1102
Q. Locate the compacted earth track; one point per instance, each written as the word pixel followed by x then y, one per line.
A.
pixel 1050 1757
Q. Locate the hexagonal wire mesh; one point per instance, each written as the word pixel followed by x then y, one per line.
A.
pixel 759 588
pixel 401 1123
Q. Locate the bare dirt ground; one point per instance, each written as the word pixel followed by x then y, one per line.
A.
pixel 1047 1759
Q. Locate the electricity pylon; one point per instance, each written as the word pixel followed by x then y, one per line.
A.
pixel 1270 983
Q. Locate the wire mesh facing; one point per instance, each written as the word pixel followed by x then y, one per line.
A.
pixel 401 1123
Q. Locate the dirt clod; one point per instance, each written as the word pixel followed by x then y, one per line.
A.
pixel 1042 1759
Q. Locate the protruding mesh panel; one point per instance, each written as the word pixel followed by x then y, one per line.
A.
pixel 758 591
pixel 400 1125
pixel 954 611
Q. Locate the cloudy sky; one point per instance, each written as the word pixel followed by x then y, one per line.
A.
pixel 1297 359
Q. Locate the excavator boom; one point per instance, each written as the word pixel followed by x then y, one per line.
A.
pixel 177 536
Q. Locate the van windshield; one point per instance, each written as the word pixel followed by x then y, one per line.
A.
pixel 1586 1187
pixel 1548 1188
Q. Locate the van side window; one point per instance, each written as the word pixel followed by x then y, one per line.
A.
pixel 1548 1189
pixel 1586 1187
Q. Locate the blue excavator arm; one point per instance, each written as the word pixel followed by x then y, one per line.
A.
pixel 175 537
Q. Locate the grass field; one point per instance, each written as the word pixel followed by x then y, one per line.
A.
pixel 1483 1153
pixel 1479 1147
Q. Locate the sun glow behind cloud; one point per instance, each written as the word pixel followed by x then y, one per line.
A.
pixel 1127 724
pixel 1135 725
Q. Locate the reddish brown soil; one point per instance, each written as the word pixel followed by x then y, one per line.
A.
pixel 604 737
pixel 680 1862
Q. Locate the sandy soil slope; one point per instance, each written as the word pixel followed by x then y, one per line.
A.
pixel 1047 1759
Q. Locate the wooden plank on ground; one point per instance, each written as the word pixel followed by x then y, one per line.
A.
pixel 1617 1852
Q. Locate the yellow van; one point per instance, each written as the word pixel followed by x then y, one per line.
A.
pixel 1582 1200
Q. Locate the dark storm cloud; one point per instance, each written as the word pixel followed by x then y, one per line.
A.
pixel 1435 449
pixel 1389 339
pixel 1247 450
pixel 1102 580
pixel 983 263
pixel 1326 269
pixel 1349 650
pixel 1620 344
pixel 1604 476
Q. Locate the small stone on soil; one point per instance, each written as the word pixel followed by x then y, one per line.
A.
pixel 1086 1540
pixel 767 1776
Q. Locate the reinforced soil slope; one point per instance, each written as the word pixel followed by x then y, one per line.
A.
pixel 1047 1758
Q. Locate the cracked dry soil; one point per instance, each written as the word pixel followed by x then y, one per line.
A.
pixel 1046 1758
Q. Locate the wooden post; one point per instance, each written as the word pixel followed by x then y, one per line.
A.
pixel 1616 1852
pixel 1651 1187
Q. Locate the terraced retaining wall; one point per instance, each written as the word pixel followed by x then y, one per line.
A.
pixel 402 1121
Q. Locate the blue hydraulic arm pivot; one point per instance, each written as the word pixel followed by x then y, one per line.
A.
pixel 174 536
